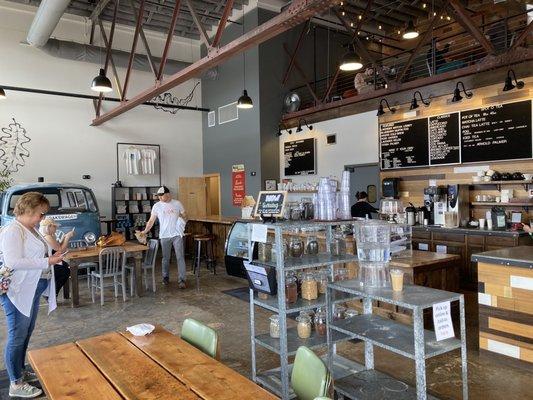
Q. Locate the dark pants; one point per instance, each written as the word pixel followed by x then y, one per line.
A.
pixel 61 274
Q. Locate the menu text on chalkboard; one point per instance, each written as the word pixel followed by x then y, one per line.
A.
pixel 270 203
pixel 501 132
pixel 300 157
pixel 404 144
pixel 444 146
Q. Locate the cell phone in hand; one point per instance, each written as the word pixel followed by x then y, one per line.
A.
pixel 63 254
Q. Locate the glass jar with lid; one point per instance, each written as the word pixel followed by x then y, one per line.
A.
pixel 296 246
pixel 339 312
pixel 309 287
pixel 304 326
pixel 341 274
pixel 322 281
pixel 291 289
pixel 338 245
pixel 264 251
pixel 274 326
pixel 312 245
pixel 320 323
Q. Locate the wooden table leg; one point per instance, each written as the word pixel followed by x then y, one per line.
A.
pixel 75 298
pixel 139 288
pixel 66 290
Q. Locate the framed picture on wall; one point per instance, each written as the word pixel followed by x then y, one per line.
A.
pixel 271 184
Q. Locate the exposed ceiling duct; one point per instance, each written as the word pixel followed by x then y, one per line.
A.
pixel 45 21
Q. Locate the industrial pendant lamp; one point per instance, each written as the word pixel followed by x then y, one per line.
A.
pixel 101 83
pixel 351 61
pixel 381 111
pixel 457 93
pixel 2 93
pixel 245 101
pixel 410 32
pixel 414 103
pixel 509 82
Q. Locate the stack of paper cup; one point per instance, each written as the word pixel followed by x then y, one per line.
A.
pixel 326 202
pixel 343 197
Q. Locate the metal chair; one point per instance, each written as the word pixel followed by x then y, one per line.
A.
pixel 89 266
pixel 148 263
pixel 112 262
pixel 201 336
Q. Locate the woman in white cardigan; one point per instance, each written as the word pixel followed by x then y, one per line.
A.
pixel 28 254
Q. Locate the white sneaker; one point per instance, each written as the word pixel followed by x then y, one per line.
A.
pixel 25 391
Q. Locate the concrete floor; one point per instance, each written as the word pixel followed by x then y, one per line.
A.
pixel 489 377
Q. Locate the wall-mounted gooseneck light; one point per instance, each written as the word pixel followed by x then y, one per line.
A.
pixel 299 129
pixel 101 83
pixel 414 102
pixel 509 82
pixel 281 124
pixel 381 111
pixel 2 93
pixel 457 93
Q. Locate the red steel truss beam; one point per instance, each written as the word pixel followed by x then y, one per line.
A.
pixel 523 35
pixel 133 48
pixel 470 26
pixel 222 23
pixel 302 74
pixel 297 12
pixel 169 39
pixel 198 23
pixel 293 57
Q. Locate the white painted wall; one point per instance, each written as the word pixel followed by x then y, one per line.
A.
pixel 357 143
pixel 63 145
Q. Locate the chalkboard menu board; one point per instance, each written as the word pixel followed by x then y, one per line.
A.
pixel 444 146
pixel 501 132
pixel 300 157
pixel 404 144
pixel 270 203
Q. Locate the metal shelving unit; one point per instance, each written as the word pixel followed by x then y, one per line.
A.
pixel 277 379
pixel 413 342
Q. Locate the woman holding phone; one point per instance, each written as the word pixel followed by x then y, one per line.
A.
pixel 48 229
pixel 30 258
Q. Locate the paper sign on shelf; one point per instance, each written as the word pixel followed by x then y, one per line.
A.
pixel 442 320
pixel 440 248
pixel 259 233
pixel 423 246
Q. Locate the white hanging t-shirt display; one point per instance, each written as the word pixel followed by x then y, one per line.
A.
pixel 148 157
pixel 132 157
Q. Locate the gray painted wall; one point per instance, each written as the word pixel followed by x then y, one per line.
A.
pixel 236 142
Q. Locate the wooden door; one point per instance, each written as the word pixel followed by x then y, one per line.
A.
pixel 192 194
pixel 212 182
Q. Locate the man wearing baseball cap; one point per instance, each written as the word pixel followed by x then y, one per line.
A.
pixel 171 216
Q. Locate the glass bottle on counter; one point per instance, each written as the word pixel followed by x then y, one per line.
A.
pixel 309 287
pixel 320 323
pixel 312 245
pixel 304 326
pixel 291 289
pixel 274 326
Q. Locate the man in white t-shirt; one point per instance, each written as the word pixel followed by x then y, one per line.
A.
pixel 168 211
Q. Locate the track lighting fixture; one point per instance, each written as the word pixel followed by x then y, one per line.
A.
pixel 381 111
pixel 410 32
pixel 509 82
pixel 101 83
pixel 414 102
pixel 351 61
pixel 457 93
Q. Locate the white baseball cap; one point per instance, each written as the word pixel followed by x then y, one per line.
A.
pixel 162 190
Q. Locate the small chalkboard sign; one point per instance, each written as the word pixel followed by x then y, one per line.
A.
pixel 271 204
pixel 300 157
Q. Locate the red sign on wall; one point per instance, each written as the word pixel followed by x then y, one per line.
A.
pixel 238 187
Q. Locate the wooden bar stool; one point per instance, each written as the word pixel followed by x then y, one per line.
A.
pixel 209 257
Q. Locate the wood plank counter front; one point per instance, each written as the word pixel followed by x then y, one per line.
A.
pixel 506 301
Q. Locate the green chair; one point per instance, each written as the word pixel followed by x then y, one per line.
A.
pixel 310 377
pixel 322 398
pixel 200 336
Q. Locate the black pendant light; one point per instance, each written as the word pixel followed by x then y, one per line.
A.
pixel 509 82
pixel 381 110
pixel 414 102
pixel 101 83
pixel 245 101
pixel 457 93
pixel 2 93
pixel 410 32
pixel 351 61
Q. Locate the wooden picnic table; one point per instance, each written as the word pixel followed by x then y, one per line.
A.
pixel 118 365
pixel 75 257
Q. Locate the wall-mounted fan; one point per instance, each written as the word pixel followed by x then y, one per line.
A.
pixel 291 103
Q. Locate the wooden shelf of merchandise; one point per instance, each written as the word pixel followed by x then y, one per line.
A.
pixel 117 196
